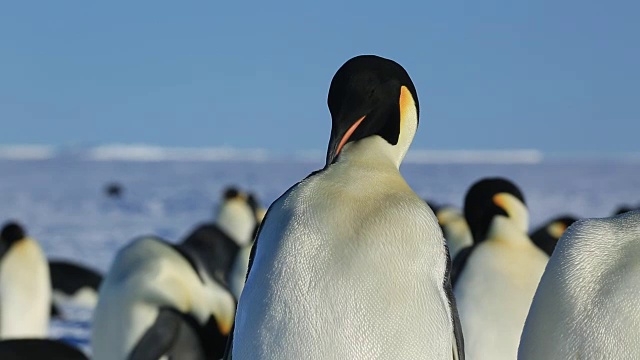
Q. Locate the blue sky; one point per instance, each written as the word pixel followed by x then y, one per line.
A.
pixel 559 76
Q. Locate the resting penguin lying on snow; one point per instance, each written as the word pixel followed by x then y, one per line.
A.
pixel 25 286
pixel 495 279
pixel 158 301
pixel 74 283
pixel 588 303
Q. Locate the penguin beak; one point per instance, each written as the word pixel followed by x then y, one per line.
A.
pixel 336 147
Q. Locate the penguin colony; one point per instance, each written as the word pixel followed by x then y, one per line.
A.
pixel 349 263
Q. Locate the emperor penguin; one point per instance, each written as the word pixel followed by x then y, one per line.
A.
pixel 156 301
pixel 238 273
pixel 219 244
pixel 546 236
pixel 586 306
pixel 25 286
pixel 455 229
pixel 350 263
pixel 495 279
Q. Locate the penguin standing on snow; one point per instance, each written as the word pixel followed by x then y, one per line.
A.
pixel 158 301
pixel 495 279
pixel 350 263
pixel 546 237
pixel 586 306
pixel 25 286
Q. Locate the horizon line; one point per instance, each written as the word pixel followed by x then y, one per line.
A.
pixel 149 153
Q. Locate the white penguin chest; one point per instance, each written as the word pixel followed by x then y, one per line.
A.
pixel 343 277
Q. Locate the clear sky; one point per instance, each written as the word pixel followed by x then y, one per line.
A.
pixel 554 75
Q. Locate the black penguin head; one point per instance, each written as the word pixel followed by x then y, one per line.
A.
pixel 371 95
pixel 489 198
pixel 546 237
pixel 230 192
pixel 11 233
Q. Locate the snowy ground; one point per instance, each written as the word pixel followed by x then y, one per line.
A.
pixel 62 203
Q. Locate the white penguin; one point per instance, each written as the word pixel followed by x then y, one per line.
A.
pixel 588 303
pixel 155 301
pixel 495 279
pixel 350 263
pixel 25 286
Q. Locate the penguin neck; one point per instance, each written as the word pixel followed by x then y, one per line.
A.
pixel 372 149
pixel 506 229
pixel 237 220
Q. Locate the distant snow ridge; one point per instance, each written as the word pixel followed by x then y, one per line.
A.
pixel 26 152
pixel 474 157
pixel 157 153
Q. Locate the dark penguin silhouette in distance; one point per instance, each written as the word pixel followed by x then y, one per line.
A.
pixel 114 190
pixel 75 283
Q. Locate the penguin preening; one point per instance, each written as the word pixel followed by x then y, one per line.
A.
pixel 156 301
pixel 75 283
pixel 223 246
pixel 546 236
pixel 495 279
pixel 25 286
pixel 586 306
pixel 350 263
pixel 39 349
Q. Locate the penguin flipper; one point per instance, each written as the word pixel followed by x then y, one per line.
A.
pixel 458 343
pixel 159 338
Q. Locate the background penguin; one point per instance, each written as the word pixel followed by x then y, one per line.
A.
pixel 114 190
pixel 586 306
pixel 495 279
pixel 25 286
pixel 238 273
pixel 39 349
pixel 75 283
pixel 455 229
pixel 157 301
pixel 218 244
pixel 350 263
pixel 546 236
